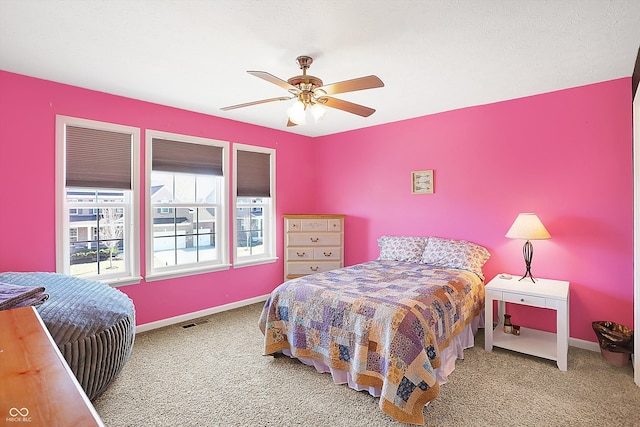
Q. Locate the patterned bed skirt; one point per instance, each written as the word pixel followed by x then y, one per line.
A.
pixel 449 355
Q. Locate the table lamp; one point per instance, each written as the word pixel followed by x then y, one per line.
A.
pixel 528 226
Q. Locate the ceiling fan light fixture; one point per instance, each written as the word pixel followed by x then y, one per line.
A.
pixel 297 114
pixel 310 91
pixel 318 112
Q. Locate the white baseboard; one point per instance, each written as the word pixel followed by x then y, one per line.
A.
pixel 586 345
pixel 196 314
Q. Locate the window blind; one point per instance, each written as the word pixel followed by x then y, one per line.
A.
pixel 253 174
pixel 185 157
pixel 98 158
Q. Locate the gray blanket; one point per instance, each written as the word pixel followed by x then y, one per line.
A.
pixel 14 296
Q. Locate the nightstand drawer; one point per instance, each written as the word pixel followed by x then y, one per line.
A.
pixel 524 299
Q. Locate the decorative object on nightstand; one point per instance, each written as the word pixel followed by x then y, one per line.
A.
pixel 507 324
pixel 528 226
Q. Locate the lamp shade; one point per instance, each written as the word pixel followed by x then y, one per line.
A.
pixel 318 112
pixel 297 113
pixel 528 226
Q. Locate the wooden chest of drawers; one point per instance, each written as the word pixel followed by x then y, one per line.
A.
pixel 313 244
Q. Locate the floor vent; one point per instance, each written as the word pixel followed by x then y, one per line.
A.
pixel 192 324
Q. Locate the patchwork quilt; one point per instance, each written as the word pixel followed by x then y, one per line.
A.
pixel 384 322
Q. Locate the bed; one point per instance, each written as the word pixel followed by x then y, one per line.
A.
pixel 393 326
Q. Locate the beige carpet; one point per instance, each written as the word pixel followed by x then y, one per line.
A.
pixel 213 374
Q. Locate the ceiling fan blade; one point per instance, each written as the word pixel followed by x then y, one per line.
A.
pixel 233 107
pixel 349 107
pixel 275 80
pixel 361 83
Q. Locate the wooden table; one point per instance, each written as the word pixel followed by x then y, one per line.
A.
pixel 37 388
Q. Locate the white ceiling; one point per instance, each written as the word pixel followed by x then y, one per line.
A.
pixel 432 55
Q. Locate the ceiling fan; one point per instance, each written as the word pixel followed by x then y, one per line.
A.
pixel 311 93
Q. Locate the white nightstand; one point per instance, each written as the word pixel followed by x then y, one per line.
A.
pixel 545 293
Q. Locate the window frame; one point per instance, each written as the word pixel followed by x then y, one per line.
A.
pixel 269 224
pixel 222 227
pixel 132 225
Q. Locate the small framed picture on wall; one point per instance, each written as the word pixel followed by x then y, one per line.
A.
pixel 422 182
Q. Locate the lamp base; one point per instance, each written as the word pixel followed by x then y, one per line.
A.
pixel 529 275
pixel 527 252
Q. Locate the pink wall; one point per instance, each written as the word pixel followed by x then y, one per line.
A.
pixel 565 155
pixel 28 108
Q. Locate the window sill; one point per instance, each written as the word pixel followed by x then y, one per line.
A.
pixel 172 274
pixel 255 261
pixel 122 281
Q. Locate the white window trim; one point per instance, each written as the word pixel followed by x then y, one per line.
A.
pixel 62 219
pixel 270 253
pixel 222 234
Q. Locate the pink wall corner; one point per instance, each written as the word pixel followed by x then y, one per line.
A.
pixel 28 108
pixel 565 155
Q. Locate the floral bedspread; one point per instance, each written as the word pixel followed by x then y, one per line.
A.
pixel 385 322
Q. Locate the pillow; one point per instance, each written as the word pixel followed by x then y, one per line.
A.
pixel 455 254
pixel 401 248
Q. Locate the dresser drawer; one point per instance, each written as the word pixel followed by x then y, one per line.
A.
pixel 326 254
pixel 314 225
pixel 293 225
pixel 334 225
pixel 314 239
pixel 524 299
pixel 302 268
pixel 320 254
pixel 299 254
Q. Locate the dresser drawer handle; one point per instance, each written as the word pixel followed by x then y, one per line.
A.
pixel 314 268
pixel 327 253
pixel 301 253
pixel 314 239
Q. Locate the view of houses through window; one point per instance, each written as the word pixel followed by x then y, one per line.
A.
pixel 250 225
pixel 96 231
pixel 184 208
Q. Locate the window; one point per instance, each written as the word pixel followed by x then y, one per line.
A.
pixel 254 205
pixel 187 208
pixel 97 188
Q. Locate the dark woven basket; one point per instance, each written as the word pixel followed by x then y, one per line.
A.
pixel 614 336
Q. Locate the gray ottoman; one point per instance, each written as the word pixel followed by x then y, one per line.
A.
pixel 92 323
